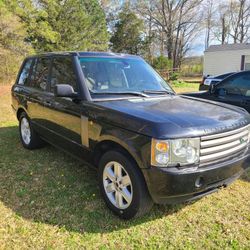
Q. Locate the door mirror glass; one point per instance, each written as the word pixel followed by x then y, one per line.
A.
pixel 64 90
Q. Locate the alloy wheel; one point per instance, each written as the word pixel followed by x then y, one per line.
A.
pixel 25 130
pixel 117 185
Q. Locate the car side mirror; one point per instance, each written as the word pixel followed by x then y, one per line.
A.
pixel 64 90
pixel 212 88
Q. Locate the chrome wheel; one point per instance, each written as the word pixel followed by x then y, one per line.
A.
pixel 117 185
pixel 25 130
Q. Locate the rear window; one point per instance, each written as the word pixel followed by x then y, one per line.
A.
pixel 24 76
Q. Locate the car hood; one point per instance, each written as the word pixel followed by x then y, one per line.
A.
pixel 172 116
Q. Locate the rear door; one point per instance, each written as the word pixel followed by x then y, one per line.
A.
pixel 20 91
pixel 38 92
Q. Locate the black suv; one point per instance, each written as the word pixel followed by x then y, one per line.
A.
pixel 114 111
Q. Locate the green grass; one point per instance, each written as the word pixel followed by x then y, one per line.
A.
pixel 50 201
pixel 182 87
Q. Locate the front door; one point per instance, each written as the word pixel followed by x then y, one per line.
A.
pixel 234 90
pixel 63 114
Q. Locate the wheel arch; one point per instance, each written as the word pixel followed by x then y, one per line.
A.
pixel 20 110
pixel 107 145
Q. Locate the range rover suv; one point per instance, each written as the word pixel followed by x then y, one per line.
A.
pixel 148 144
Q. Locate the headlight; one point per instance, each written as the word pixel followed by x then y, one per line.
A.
pixel 175 152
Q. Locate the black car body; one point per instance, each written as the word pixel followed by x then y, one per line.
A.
pixel 207 81
pixel 234 90
pixel 166 148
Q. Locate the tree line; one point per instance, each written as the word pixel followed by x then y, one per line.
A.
pixel 162 31
pixel 171 27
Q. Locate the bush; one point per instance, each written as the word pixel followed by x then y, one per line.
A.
pixel 9 65
pixel 173 76
pixel 162 63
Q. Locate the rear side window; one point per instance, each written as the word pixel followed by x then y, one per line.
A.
pixel 40 73
pixel 24 76
pixel 63 72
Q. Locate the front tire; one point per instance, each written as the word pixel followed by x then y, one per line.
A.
pixel 29 137
pixel 122 185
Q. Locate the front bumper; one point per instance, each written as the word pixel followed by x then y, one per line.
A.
pixel 172 185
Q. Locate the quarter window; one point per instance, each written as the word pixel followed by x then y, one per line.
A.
pixel 63 72
pixel 24 76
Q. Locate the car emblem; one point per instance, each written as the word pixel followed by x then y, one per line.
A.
pixel 242 140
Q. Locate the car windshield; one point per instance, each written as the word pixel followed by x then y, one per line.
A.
pixel 105 75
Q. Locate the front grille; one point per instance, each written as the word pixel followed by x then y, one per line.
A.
pixel 220 146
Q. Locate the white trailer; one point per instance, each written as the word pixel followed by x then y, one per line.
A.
pixel 220 59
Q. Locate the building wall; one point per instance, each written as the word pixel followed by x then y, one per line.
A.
pixel 220 62
pixel 247 62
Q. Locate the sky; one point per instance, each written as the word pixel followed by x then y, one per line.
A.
pixel 198 45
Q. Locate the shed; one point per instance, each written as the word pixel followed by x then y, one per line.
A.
pixel 220 59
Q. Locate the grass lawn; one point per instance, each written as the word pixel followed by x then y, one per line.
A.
pixel 182 87
pixel 50 201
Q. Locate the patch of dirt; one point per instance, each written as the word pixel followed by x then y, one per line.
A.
pixel 5 89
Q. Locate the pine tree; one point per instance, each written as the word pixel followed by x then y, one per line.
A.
pixel 54 25
pixel 127 37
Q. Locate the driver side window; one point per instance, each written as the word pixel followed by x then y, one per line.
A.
pixel 235 85
pixel 63 72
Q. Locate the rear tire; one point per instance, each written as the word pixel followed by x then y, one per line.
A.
pixel 29 137
pixel 123 186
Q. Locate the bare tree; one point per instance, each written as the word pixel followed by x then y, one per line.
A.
pixel 222 19
pixel 240 20
pixel 233 21
pixel 208 19
pixel 177 20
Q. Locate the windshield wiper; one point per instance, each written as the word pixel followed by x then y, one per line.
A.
pixel 122 93
pixel 149 91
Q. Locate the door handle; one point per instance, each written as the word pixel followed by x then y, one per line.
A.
pixel 48 103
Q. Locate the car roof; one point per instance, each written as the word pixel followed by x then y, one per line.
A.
pixel 221 75
pixel 86 54
pixel 234 73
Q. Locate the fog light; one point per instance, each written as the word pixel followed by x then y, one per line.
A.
pixel 199 182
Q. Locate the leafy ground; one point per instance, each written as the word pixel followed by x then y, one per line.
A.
pixel 50 201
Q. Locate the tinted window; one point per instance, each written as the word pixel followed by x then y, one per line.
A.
pixel 39 77
pixel 63 72
pixel 236 85
pixel 24 76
